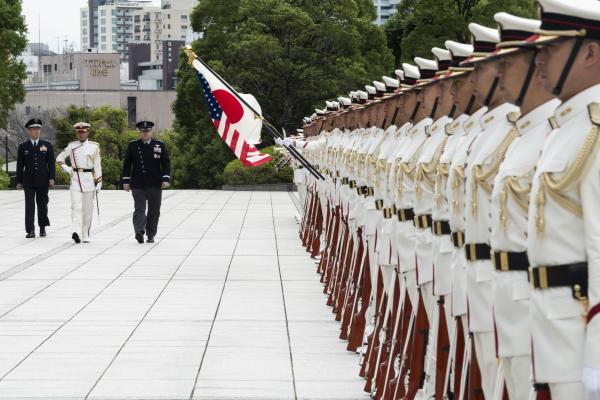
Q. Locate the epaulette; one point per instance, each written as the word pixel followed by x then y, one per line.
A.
pixel 74 142
pixel 594 112
pixel 449 130
pixel 91 141
pixel 513 117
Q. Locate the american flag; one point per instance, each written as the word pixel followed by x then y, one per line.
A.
pixel 237 125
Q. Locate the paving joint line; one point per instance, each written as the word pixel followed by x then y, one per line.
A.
pixel 41 257
pixel 162 290
pixel 287 325
pixel 212 325
pixel 81 309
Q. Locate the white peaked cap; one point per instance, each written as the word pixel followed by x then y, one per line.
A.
pixel 391 82
pixel 329 104
pixel 411 71
pixel 483 33
pixel 370 89
pixel 512 22
pixel 399 73
pixel 362 95
pixel 459 49
pixel 380 86
pixel 441 54
pixel 345 101
pixel 424 63
pixel 336 104
pixel 319 112
pixel 585 9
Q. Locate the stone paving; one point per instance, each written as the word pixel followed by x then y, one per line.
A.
pixel 225 305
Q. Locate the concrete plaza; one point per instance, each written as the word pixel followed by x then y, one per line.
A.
pixel 225 305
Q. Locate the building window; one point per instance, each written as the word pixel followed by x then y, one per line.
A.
pixel 114 12
pixel 103 38
pixel 84 31
pixel 103 13
pixel 183 27
pixel 184 17
pixel 114 21
pixel 84 14
pixel 114 46
pixel 169 26
pixel 102 47
pixel 103 29
pixel 102 21
pixel 71 66
pixel 55 67
pixel 136 18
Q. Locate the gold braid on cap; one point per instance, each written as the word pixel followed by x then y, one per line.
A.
pixel 481 178
pixel 556 187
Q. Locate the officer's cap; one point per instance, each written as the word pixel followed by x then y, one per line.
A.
pixel 427 69
pixel 82 125
pixel 144 125
pixel 379 88
pixel 34 123
pixel 459 52
pixel 443 58
pixel 484 41
pixel 411 75
pixel 391 84
pixel 567 18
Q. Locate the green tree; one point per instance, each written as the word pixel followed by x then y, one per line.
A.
pixel 291 54
pixel 420 25
pixel 235 173
pixel 4 178
pixel 12 44
pixel 109 129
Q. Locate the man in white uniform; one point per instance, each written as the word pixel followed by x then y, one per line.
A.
pixel 86 179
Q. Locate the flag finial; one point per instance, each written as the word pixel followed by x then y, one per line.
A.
pixel 190 53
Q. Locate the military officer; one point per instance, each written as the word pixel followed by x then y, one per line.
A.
pixel 146 171
pixel 35 173
pixel 86 179
pixel 563 235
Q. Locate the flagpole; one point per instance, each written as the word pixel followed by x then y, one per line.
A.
pixel 270 128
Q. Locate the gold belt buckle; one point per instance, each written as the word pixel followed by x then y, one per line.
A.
pixel 472 253
pixel 379 204
pixel 424 223
pixel 531 277
pixel 460 238
pixel 402 215
pixel 387 213
pixel 543 275
pixel 504 261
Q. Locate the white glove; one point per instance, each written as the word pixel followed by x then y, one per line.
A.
pixel 98 186
pixel 591 381
pixel 165 185
pixel 283 142
pixel 67 169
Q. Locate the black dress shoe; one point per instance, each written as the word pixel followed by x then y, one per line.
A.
pixel 75 237
pixel 42 231
pixel 150 239
pixel 139 237
pixel 30 235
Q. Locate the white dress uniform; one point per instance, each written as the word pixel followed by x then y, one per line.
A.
pixel 508 239
pixel 563 230
pixel 86 179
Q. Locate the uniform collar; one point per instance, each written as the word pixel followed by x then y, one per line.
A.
pixel 420 125
pixel 496 115
pixel 472 123
pixel 459 121
pixel 537 116
pixel 576 105
pixel 148 142
pixel 33 141
pixel 82 143
pixel 439 124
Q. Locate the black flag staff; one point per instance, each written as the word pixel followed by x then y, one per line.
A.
pixel 270 128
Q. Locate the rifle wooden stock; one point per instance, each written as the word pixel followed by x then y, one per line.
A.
pixel 357 327
pixel 542 391
pixel 333 248
pixel 342 269
pixel 316 241
pixel 309 221
pixel 398 385
pixel 416 375
pixel 328 232
pixel 442 351
pixel 354 294
pixel 349 266
pixel 475 390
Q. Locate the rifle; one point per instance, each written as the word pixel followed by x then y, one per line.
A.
pixel 475 391
pixel 373 338
pixel 417 359
pixel 328 229
pixel 341 296
pixel 459 356
pixel 442 352
pixel 357 325
pixel 316 242
pixel 356 290
pixel 399 384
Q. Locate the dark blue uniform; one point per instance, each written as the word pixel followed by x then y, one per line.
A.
pixel 35 167
pixel 145 168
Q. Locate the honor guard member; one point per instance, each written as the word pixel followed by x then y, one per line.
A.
pixel 563 238
pixel 35 173
pixel 86 179
pixel 146 171
pixel 522 85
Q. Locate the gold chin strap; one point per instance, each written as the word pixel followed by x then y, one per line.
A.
pixel 483 179
pixel 556 187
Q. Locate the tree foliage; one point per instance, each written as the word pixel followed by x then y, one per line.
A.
pixel 12 44
pixel 291 54
pixel 420 25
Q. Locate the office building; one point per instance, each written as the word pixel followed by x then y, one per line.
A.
pixel 385 9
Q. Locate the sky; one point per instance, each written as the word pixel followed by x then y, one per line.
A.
pixel 58 20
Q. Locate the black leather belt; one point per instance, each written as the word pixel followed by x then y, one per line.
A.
pixel 477 251
pixel 510 261
pixel 423 221
pixel 574 276
pixel 379 204
pixel 84 169
pixel 458 239
pixel 440 228
pixel 405 214
pixel 366 191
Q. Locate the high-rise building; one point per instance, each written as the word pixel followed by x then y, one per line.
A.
pixel 385 9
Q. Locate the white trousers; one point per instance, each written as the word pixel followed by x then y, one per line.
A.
pixel 82 210
pixel 486 357
pixel 517 374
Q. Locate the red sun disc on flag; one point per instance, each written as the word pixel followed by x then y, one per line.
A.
pixel 230 105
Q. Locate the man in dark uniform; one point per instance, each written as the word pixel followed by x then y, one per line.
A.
pixel 35 173
pixel 146 171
